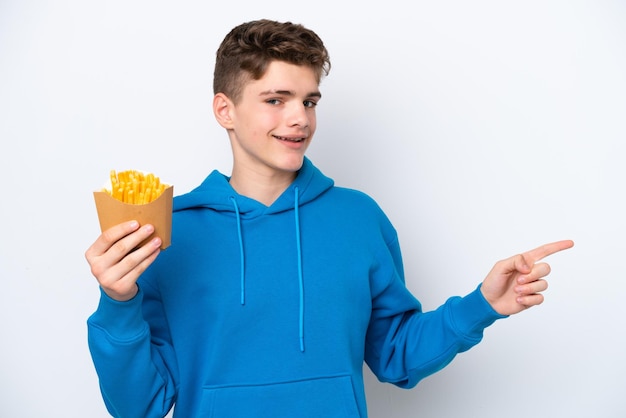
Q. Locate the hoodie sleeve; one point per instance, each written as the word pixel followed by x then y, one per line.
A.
pixel 135 366
pixel 405 344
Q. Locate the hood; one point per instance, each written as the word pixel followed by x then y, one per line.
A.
pixel 216 193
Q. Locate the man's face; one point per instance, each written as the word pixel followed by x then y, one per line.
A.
pixel 274 122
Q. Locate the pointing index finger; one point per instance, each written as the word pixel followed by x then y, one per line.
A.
pixel 547 249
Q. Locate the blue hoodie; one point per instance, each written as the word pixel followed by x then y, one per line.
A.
pixel 257 311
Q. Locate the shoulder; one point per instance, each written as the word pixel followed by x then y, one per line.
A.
pixel 355 206
pixel 355 197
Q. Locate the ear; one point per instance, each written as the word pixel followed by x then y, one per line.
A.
pixel 222 109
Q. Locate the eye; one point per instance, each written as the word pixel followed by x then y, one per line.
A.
pixel 273 101
pixel 309 103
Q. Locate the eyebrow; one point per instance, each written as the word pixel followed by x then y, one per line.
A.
pixel 289 93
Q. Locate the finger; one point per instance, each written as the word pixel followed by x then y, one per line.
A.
pixel 131 242
pixel 531 288
pixel 118 280
pixel 547 249
pixel 104 265
pixel 111 236
pixel 538 271
pixel 131 267
pixel 530 300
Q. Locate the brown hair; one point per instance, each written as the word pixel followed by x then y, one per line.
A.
pixel 249 48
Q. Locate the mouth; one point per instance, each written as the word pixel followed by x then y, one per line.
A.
pixel 290 139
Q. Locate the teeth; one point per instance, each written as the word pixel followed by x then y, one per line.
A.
pixel 290 140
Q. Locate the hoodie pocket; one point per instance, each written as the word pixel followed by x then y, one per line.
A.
pixel 328 397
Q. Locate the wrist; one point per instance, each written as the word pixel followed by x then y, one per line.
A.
pixel 122 297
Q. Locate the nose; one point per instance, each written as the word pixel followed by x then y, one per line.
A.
pixel 298 116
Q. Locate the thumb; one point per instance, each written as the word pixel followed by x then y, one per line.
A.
pixel 520 264
pixel 516 263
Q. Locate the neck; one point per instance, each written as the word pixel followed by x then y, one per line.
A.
pixel 262 188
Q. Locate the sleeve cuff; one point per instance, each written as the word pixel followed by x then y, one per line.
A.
pixel 121 320
pixel 472 314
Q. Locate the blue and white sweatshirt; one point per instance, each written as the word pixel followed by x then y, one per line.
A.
pixel 257 311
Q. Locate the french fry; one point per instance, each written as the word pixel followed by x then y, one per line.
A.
pixel 135 187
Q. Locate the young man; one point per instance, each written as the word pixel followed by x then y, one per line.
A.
pixel 278 285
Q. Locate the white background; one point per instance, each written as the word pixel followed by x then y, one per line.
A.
pixel 483 129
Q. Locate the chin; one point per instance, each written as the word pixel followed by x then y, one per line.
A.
pixel 293 163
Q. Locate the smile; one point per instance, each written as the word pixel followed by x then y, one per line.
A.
pixel 282 138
